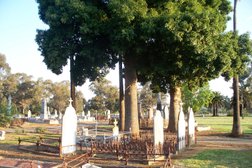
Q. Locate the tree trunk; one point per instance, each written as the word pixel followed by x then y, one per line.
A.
pixel 72 90
pixel 175 93
pixel 131 120
pixel 236 130
pixel 121 96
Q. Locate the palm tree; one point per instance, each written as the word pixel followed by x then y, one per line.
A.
pixel 236 130
pixel 217 102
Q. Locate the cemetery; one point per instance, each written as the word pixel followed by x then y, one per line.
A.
pixel 76 143
pixel 164 112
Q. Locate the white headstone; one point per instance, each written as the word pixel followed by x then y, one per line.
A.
pixel 150 113
pixel 181 130
pixel 108 114
pixel 55 113
pixel 166 112
pixel 44 114
pixel 84 131
pixel 29 114
pixel 158 128
pixel 88 114
pixel 82 114
pixel 48 112
pixel 2 135
pixel 115 129
pixel 191 127
pixel 69 130
pixel 60 115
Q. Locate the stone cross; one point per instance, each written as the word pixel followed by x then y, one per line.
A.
pixel 115 129
pixel 69 130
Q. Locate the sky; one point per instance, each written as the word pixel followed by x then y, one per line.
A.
pixel 19 21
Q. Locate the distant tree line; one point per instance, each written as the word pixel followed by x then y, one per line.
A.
pixel 25 94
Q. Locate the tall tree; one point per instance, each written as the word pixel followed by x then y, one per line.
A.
pixel 236 130
pixel 217 102
pixel 185 44
pixel 121 95
pixel 242 51
pixel 76 32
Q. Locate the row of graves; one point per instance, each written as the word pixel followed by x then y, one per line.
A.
pixel 53 117
pixel 78 148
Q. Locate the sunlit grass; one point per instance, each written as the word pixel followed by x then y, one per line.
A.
pixel 224 124
pixel 219 159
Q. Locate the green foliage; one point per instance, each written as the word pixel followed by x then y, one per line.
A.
pixel 196 99
pixel 184 42
pixel 76 29
pixel 106 96
pixel 40 130
pixel 4 120
pixel 147 97
pixel 240 53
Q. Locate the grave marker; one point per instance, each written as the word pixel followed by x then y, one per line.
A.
pixel 181 129
pixel 191 128
pixel 158 128
pixel 69 130
pixel 2 135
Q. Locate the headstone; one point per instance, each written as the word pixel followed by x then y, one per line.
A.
pixel 191 128
pixel 88 165
pixel 2 135
pixel 166 112
pixel 82 114
pixel 60 115
pixel 108 114
pixel 9 105
pixel 88 114
pixel 69 130
pixel 159 103
pixel 55 113
pixel 48 112
pixel 150 113
pixel 158 129
pixel 29 114
pixel 43 114
pixel 181 130
pixel 115 129
pixel 84 131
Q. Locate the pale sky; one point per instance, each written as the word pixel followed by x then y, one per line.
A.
pixel 19 21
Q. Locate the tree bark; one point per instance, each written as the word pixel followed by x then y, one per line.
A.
pixel 72 87
pixel 121 96
pixel 131 112
pixel 236 130
pixel 175 93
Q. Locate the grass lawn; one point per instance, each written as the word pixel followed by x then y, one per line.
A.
pixel 224 124
pixel 218 158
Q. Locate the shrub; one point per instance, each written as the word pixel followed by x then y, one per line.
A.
pixel 40 130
